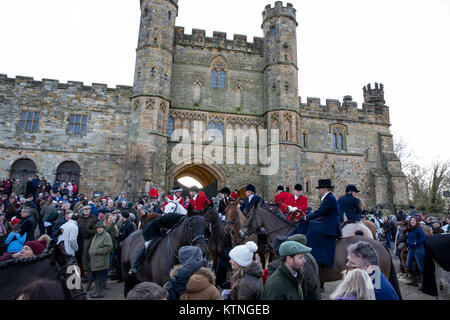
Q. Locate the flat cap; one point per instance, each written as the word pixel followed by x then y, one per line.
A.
pixel 291 248
pixel 300 238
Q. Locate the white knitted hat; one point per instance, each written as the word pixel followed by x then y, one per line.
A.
pixel 243 255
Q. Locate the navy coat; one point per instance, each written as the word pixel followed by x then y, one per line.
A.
pixel 322 235
pixel 349 205
pixel 247 206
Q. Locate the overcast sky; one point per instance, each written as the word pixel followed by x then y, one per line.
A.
pixel 342 46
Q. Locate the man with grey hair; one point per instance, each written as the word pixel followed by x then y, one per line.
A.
pixel 363 256
pixel 28 224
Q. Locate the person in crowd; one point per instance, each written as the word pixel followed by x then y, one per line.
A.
pixel 349 205
pixel 363 256
pixel 276 262
pixel 251 199
pixel 282 198
pixel 356 285
pixel 285 282
pixel 174 196
pixel 99 253
pixel 416 245
pixel 201 284
pixel 428 231
pixel 400 248
pixel 48 215
pixel 246 283
pixel 413 211
pixel 322 234
pixel 17 187
pixel 35 185
pixel 87 223
pixel 309 272
pixel 437 227
pixel 110 227
pixel 43 290
pixel 198 199
pixel 69 234
pixel 12 208
pixel 122 197
pixel 126 229
pixel 224 196
pixel 15 241
pixel 235 194
pixel 28 224
pixel 387 229
pixel 177 285
pixel 298 203
pixel 29 249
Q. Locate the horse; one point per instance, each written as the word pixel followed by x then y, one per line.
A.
pixel 364 228
pixel 277 225
pixel 147 217
pixel 190 230
pixel 53 264
pixel 218 239
pixel 234 219
pixel 437 267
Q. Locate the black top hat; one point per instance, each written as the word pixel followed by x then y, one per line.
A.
pixel 226 191
pixel 176 189
pixel 412 207
pixel 195 189
pixel 351 187
pixel 251 188
pixel 325 183
pixel 280 188
pixel 298 187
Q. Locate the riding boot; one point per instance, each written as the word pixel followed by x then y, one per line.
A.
pixel 140 256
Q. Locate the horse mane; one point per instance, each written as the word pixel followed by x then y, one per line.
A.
pixel 278 215
pixel 22 261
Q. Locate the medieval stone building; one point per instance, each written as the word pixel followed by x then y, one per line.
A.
pixel 120 139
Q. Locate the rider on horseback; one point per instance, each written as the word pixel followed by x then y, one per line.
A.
pixel 349 205
pixel 173 213
pixel 297 204
pixel 250 200
pixel 176 196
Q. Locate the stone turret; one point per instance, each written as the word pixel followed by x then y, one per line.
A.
pixel 147 142
pixel 374 95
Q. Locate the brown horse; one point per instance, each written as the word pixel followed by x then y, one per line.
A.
pixel 147 217
pixel 277 225
pixel 219 240
pixel 161 259
pixel 234 220
pixel 53 264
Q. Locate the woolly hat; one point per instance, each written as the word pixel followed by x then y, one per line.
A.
pixel 36 246
pixel 187 252
pixel 243 255
pixel 290 248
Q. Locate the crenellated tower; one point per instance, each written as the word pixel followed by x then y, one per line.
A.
pixel 281 90
pixel 150 102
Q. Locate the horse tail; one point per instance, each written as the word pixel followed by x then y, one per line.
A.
pixel 393 277
pixel 429 281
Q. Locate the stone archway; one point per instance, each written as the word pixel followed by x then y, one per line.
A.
pixel 68 171
pixel 211 177
pixel 23 169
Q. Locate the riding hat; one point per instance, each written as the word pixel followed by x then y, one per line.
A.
pixel 176 189
pixel 325 183
pixel 226 191
pixel 243 255
pixel 280 188
pixel 278 241
pixel 351 187
pixel 298 187
pixel 251 188
pixel 195 189
pixel 291 248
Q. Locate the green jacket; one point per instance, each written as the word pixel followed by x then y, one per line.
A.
pixel 101 247
pixel 282 285
pixel 113 232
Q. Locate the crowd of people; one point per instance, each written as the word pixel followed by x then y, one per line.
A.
pixel 93 232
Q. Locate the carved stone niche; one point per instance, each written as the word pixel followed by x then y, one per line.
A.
pixel 150 104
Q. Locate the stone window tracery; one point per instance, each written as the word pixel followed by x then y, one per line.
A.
pixel 218 72
pixel 339 137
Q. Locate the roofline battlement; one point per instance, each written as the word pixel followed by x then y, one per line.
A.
pixel 175 2
pixel 278 10
pixel 219 40
pixel 347 108
pixel 51 84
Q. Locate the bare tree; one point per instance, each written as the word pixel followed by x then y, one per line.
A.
pixel 404 153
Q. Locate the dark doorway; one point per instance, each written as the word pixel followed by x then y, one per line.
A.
pixel 23 169
pixel 68 171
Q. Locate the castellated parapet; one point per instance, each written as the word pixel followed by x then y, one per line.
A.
pixel 218 41
pixel 277 11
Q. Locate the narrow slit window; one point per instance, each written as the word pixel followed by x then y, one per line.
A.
pixel 222 79
pixel 214 78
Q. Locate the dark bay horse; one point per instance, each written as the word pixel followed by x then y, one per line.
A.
pixel 234 220
pixel 219 240
pixel 277 225
pixel 437 266
pixel 53 264
pixel 163 257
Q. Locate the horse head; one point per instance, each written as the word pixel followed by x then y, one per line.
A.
pixel 174 207
pixel 231 215
pixel 196 229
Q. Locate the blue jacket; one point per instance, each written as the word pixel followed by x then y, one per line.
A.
pixel 385 291
pixel 329 212
pixel 349 205
pixel 247 206
pixel 94 210
pixel 418 236
pixel 15 241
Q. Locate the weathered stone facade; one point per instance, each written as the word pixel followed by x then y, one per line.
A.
pixel 127 143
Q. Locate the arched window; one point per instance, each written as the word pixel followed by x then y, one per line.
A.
pixel 220 127
pixel 340 143
pixel 214 79
pixel 303 140
pixel 170 127
pixel 334 141
pixel 23 169
pixel 339 133
pixel 197 95
pixel 222 79
pixel 212 126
